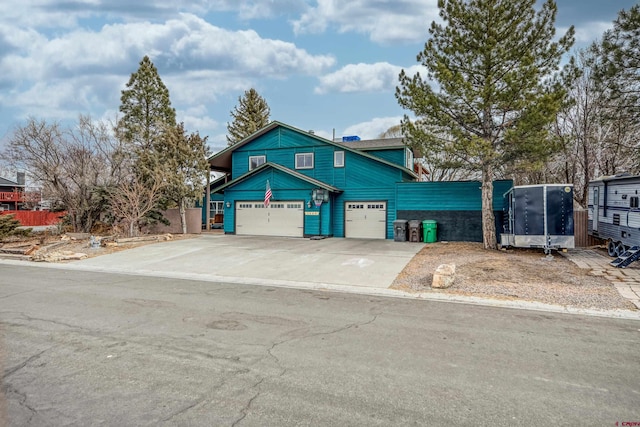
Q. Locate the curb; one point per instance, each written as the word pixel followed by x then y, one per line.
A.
pixel 360 290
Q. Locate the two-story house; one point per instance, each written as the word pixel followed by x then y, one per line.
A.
pixel 12 194
pixel 318 187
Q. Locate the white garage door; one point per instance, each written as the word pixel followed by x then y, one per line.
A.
pixel 279 219
pixel 366 220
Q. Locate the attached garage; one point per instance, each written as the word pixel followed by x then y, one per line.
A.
pixel 366 220
pixel 278 219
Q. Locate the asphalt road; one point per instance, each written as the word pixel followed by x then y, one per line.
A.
pixel 80 348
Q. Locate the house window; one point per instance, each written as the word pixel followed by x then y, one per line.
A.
pixel 304 161
pixel 633 202
pixel 255 161
pixel 338 159
pixel 216 208
pixel 408 159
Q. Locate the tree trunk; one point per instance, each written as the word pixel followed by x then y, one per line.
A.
pixel 488 220
pixel 183 217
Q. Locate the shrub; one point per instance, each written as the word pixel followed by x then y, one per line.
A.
pixel 9 227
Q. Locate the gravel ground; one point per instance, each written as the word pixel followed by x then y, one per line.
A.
pixel 514 274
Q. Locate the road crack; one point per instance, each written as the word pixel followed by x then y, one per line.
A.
pixel 283 370
pixel 245 411
pixel 22 401
pixel 15 369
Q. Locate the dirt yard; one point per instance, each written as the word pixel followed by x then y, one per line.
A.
pixel 514 274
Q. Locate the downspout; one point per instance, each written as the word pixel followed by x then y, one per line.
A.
pixel 207 204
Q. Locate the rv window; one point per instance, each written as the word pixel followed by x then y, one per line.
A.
pixel 633 202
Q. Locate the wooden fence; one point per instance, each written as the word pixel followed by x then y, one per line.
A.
pixel 580 229
pixel 35 218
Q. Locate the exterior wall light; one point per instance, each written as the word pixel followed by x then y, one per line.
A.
pixel 228 205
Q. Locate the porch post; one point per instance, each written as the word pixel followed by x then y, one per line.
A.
pixel 207 203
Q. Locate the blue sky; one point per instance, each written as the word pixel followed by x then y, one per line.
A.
pixel 320 64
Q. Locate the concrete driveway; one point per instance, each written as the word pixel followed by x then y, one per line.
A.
pixel 265 260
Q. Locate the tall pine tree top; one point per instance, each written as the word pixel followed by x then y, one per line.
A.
pixel 250 115
pixel 146 106
pixel 618 70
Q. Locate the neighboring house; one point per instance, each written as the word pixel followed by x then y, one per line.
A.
pixel 325 188
pixel 12 194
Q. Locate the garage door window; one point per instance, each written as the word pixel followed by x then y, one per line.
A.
pixel 304 161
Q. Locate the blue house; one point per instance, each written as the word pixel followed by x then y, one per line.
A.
pixel 318 187
pixel 354 189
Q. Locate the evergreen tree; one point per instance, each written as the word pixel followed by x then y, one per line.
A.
pixel 617 69
pixel 184 162
pixel 145 106
pixel 492 61
pixel 250 115
pixel 9 227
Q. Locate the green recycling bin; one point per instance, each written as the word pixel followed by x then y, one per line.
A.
pixel 429 230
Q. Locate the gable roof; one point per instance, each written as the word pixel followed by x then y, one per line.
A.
pixel 375 144
pixel 288 171
pixel 222 159
pixel 8 183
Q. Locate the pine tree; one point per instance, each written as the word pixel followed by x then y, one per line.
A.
pixel 492 61
pixel 617 69
pixel 250 115
pixel 145 106
pixel 184 161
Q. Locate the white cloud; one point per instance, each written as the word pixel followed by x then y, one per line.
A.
pixel 378 77
pixel 197 119
pixel 265 9
pixel 385 21
pixel 587 32
pixel 57 14
pixel 373 128
pixel 84 71
pixel 188 42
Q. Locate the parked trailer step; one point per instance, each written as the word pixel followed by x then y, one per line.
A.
pixel 627 257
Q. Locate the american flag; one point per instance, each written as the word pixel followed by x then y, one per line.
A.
pixel 267 195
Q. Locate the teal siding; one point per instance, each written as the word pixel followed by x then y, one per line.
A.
pixel 364 173
pixel 339 177
pixel 318 224
pixel 448 195
pixel 396 156
pixel 280 146
pixel 284 187
pixel 455 206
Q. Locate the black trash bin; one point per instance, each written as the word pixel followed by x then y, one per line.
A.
pixel 400 230
pixel 414 230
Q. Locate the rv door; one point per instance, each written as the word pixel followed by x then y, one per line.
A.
pixel 596 207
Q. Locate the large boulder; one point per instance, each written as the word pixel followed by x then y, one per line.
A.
pixel 444 276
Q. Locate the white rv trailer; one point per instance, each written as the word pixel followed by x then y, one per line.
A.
pixel 614 212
